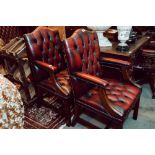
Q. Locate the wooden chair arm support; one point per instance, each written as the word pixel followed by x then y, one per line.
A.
pixel 45 66
pixel 51 69
pixel 113 110
pixel 116 61
pixel 92 79
pixel 125 72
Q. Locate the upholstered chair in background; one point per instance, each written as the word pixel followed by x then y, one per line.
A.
pixel 148 64
pixel 45 53
pixel 111 99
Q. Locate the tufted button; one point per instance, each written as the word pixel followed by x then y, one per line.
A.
pixel 75 46
pixel 35 40
pixel 41 36
pixel 49 48
pixel 56 47
pixel 59 64
pixel 54 57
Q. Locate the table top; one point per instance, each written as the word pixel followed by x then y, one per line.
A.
pixel 132 47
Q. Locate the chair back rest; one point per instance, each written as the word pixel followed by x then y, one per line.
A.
pixel 82 55
pixel 45 45
pixel 83 51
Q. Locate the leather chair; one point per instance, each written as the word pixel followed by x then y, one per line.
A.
pixel 148 64
pixel 45 53
pixel 111 99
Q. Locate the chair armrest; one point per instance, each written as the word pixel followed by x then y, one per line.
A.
pixel 127 77
pixel 116 61
pixel 110 108
pixel 149 51
pixel 46 66
pixel 92 79
pixel 152 42
pixel 124 66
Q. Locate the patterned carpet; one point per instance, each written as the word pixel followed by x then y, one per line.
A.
pixel 43 117
pixel 47 118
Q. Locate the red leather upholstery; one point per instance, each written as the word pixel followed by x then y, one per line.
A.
pixel 105 95
pixel 63 84
pixel 120 94
pixel 44 45
pixel 84 51
pixel 46 57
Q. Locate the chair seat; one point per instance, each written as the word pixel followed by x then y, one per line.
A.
pixel 62 79
pixel 120 94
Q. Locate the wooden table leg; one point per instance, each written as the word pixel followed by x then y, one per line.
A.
pixel 152 83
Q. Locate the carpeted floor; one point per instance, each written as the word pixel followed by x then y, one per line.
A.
pixel 146 117
pixel 43 117
pixel 47 118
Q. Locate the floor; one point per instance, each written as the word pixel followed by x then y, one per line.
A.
pixel 146 117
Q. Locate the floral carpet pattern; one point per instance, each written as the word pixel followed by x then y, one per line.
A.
pixel 43 117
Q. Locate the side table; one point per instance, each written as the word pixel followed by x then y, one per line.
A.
pixel 112 58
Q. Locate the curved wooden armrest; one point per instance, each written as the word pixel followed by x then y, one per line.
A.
pixel 149 51
pixel 46 66
pixel 113 110
pixel 116 61
pixel 92 79
pixel 152 42
pixel 125 72
pixel 51 69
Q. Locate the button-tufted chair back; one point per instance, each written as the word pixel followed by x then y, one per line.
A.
pixel 83 55
pixel 110 98
pixel 84 52
pixel 44 45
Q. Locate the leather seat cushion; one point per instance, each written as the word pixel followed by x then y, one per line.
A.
pixel 121 94
pixel 63 86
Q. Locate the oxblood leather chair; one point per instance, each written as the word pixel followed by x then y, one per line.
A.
pixel 45 53
pixel 148 63
pixel 109 98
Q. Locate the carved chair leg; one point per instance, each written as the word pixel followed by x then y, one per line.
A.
pixel 67 113
pixel 136 108
pixel 152 84
pixel 39 98
pixel 76 114
pixel 120 126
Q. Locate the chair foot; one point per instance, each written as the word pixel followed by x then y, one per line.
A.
pixel 153 96
pixel 120 127
pixel 67 113
pixel 135 113
pixel 76 115
pixel 152 84
pixel 39 98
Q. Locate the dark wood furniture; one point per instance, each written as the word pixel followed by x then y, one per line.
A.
pixel 16 65
pixel 9 32
pixel 148 64
pixel 48 67
pixel 111 99
pixel 125 62
pixel 127 56
pixel 69 30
